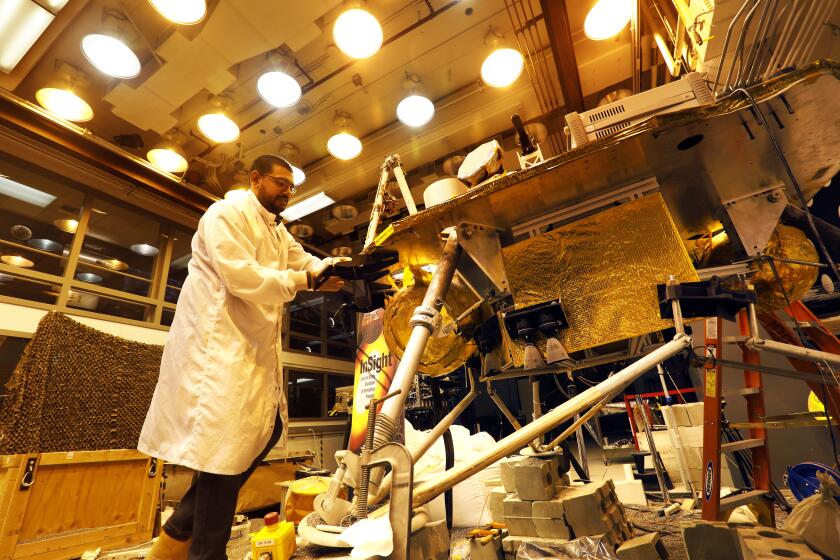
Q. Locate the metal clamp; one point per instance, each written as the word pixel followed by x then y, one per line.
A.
pixel 153 467
pixel 424 316
pixel 29 474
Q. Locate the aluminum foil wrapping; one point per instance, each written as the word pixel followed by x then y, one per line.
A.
pixel 446 350
pixel 788 243
pixel 605 269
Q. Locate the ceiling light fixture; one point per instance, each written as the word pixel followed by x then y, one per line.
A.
pixel 357 33
pixel 218 127
pixel 278 87
pixel 416 109
pixel 64 104
pixel 343 144
pixel 17 260
pixel 67 224
pixel 21 24
pixel 110 56
pixel 504 65
pixel 302 231
pixel 24 193
pixel 184 12
pixel 168 155
pixel 298 176
pixel 291 153
pixel 61 97
pixel 607 18
pixel 306 207
pixel 145 249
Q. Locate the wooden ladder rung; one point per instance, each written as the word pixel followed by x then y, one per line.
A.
pixel 742 444
pixel 742 392
pixel 752 496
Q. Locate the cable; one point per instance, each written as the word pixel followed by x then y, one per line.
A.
pixel 804 203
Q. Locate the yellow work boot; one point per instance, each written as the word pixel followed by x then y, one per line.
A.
pixel 168 548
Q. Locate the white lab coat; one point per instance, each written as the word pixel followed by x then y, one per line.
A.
pixel 221 380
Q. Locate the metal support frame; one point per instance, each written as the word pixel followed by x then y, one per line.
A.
pixel 391 164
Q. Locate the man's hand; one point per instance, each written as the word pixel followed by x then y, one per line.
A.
pixel 322 278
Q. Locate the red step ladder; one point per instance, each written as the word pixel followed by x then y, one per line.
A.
pixel 713 507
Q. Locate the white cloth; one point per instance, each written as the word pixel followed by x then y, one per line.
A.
pixel 221 381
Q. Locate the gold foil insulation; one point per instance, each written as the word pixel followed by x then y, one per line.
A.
pixel 605 269
pixel 789 243
pixel 446 350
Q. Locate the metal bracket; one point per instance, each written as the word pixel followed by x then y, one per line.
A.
pixel 153 467
pixel 481 243
pixel 28 478
pixel 753 217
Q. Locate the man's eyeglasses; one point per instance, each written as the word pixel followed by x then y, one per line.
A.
pixel 282 182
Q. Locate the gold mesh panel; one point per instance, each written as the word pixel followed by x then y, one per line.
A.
pixel 446 350
pixel 605 269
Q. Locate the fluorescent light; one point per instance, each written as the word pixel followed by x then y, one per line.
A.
pixel 357 33
pixel 502 67
pixel 21 23
pixel 415 110
pixel 185 12
pixel 306 207
pixel 218 127
pixel 344 145
pixel 607 18
pixel 23 193
pixel 110 55
pixel 279 89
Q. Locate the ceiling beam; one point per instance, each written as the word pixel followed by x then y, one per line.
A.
pixel 563 49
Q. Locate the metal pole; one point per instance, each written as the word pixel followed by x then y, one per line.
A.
pixel 422 326
pixel 660 476
pixel 550 420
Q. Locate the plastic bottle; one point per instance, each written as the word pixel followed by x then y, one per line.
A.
pixel 275 541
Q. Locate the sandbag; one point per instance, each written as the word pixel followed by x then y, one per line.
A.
pixel 816 519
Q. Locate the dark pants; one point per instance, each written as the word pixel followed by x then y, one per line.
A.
pixel 206 511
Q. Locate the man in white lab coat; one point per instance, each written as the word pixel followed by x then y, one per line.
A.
pixel 219 405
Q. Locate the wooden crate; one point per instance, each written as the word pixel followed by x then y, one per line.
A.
pixel 75 501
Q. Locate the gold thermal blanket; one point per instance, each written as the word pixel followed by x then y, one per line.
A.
pixel 605 269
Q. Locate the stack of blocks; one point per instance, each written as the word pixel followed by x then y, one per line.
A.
pixel 688 420
pixel 538 505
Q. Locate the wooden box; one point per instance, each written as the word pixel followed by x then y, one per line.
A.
pixel 57 505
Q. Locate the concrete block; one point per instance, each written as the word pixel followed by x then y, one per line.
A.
pixel 692 437
pixel 695 413
pixel 550 528
pixel 586 500
pixel 495 503
pixel 490 549
pixel 550 521
pixel 512 506
pixel 594 522
pixel 710 540
pixel 534 479
pixel 521 526
pixel 631 492
pixel 431 542
pixel 764 543
pixel 645 547
pixel 506 472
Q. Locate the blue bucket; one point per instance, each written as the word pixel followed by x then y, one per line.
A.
pixel 803 482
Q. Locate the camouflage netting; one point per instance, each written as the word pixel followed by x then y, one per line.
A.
pixel 77 388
